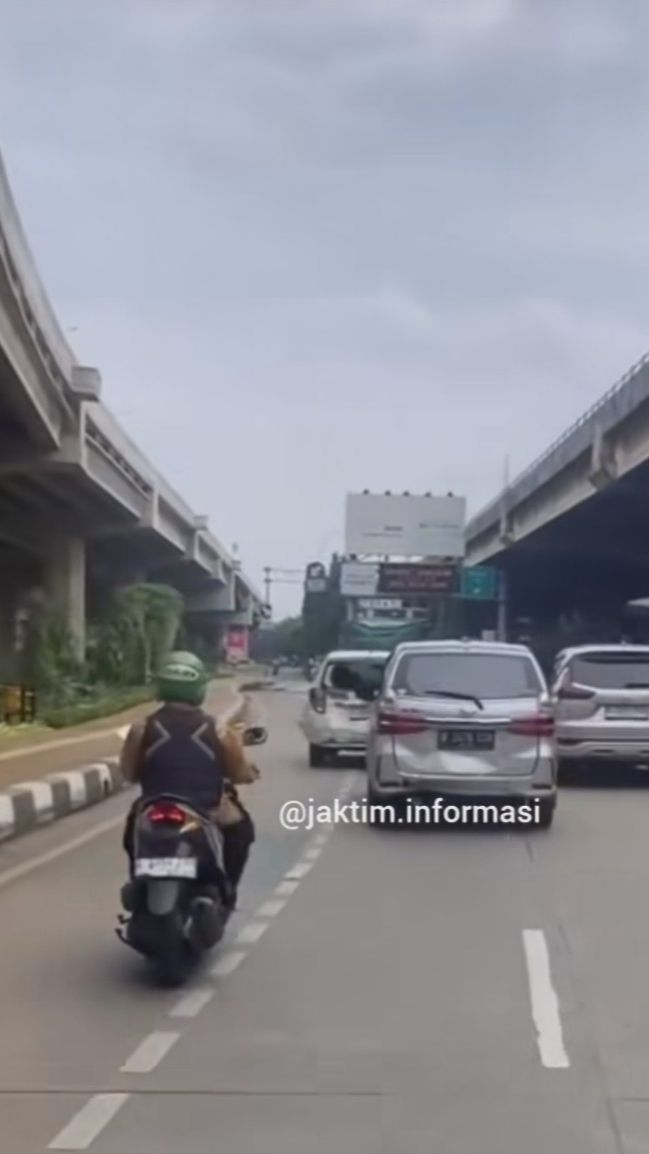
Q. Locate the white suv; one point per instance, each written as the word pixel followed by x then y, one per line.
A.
pixel 336 720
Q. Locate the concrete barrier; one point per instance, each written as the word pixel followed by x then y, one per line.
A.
pixel 31 804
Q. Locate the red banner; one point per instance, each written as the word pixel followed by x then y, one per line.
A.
pixel 236 643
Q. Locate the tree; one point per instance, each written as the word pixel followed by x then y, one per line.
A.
pixel 49 660
pixel 285 638
pixel 141 629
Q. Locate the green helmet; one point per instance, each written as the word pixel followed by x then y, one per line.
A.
pixel 182 678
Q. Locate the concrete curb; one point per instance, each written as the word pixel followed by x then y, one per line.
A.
pixel 32 804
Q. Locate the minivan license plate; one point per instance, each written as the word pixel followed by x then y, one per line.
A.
pixel 459 739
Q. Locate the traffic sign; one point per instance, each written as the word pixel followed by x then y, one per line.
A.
pixel 479 583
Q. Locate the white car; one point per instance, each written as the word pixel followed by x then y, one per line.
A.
pixel 336 720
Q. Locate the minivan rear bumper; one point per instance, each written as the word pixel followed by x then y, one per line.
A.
pixel 538 785
pixel 601 749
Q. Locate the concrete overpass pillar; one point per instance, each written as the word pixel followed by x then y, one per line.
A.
pixel 65 584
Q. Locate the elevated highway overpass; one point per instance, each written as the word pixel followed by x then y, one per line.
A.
pixel 81 507
pixel 571 532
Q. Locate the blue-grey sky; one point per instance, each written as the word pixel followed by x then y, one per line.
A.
pixel 321 245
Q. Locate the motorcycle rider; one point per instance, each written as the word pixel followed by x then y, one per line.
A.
pixel 179 750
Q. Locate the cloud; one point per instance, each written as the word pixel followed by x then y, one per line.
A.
pixel 315 244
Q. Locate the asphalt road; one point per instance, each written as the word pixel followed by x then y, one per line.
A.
pixel 384 991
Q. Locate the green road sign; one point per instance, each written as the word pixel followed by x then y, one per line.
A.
pixel 480 583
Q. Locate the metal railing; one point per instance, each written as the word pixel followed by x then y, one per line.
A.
pixel 17 704
pixel 482 518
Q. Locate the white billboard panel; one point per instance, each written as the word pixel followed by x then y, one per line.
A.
pixel 402 526
pixel 359 579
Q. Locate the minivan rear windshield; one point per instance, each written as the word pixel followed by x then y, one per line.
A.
pixel 485 676
pixel 611 670
pixel 371 671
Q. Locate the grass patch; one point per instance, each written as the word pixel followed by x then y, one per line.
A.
pixel 9 733
pixel 92 709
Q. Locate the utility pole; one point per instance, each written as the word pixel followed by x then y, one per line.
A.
pixel 502 606
pixel 273 576
pixel 501 627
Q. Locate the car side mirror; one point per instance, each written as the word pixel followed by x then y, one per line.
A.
pixel 255 735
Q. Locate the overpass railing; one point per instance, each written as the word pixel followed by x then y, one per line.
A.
pixel 570 444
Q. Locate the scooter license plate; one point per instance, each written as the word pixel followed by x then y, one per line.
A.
pixel 166 867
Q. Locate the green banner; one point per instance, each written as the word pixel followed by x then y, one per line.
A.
pixel 382 634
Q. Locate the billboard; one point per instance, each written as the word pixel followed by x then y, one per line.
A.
pixel 359 578
pixel 403 526
pixel 402 580
pixel 393 579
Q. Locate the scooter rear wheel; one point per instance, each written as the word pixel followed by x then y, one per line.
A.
pixel 173 959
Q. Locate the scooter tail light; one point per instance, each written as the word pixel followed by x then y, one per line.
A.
pixel 162 813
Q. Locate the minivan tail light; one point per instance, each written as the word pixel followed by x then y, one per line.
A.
pixel 539 725
pixel 166 813
pixel 318 700
pixel 400 724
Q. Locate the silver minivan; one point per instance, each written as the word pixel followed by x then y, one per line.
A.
pixel 463 718
pixel 602 704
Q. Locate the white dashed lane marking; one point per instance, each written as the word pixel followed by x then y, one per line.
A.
pixel 272 908
pixel 150 1052
pixel 88 1124
pixel 229 961
pixel 99 1110
pixel 545 1003
pixel 286 889
pixel 191 1003
pixel 299 871
pixel 251 933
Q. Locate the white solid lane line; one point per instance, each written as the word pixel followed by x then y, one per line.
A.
pixel 321 839
pixel 81 1132
pixel 150 1053
pixel 191 1003
pixel 17 872
pixel 545 1003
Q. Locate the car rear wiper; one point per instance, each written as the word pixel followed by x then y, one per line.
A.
pixel 637 685
pixel 454 696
